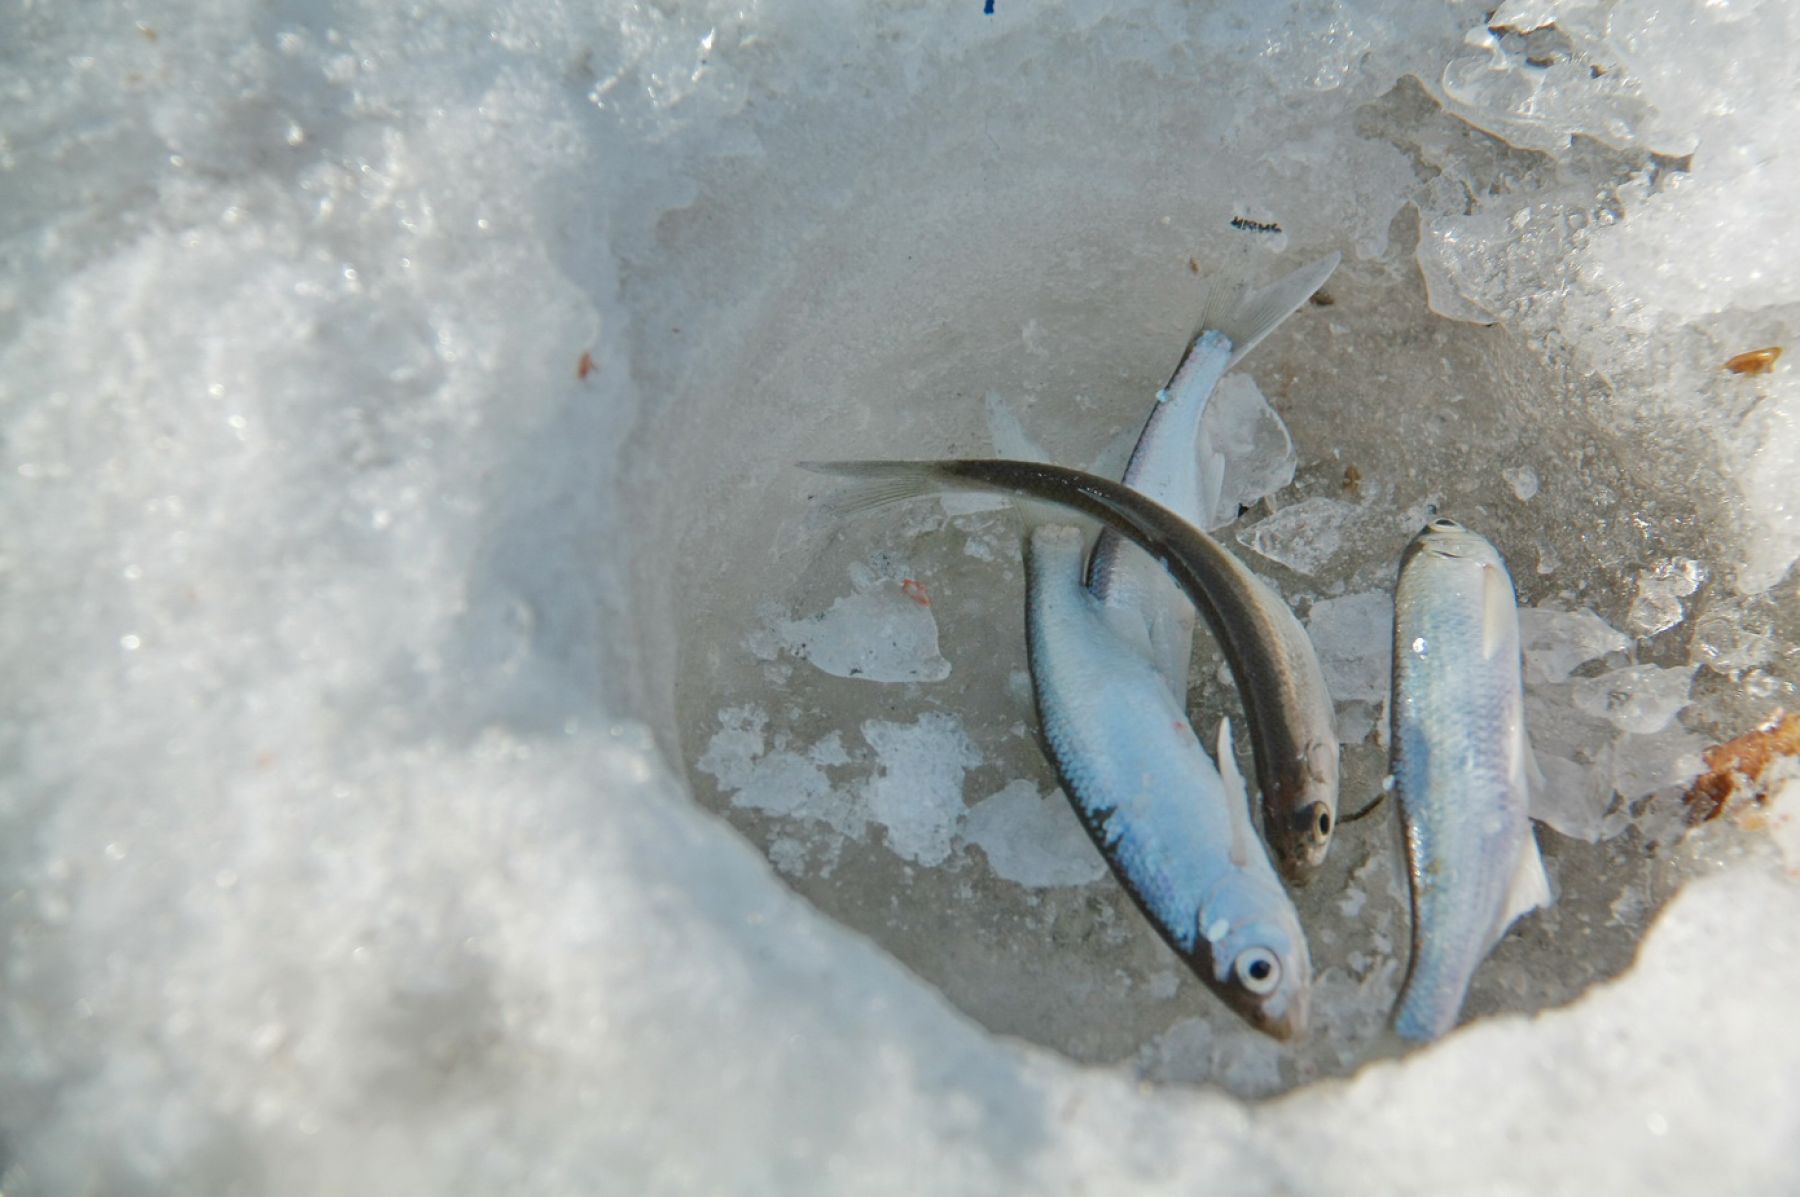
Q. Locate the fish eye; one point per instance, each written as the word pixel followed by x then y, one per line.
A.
pixel 1323 822
pixel 1257 970
pixel 1441 522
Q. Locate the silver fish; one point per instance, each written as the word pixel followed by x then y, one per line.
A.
pixel 1462 767
pixel 1167 461
pixel 1292 724
pixel 1175 830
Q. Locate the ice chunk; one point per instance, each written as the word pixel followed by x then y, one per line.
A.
pixel 1241 427
pixel 775 780
pixel 918 793
pixel 1556 643
pixel 1640 699
pixel 731 754
pixel 1643 765
pixel 1303 537
pixel 1732 636
pixel 1657 606
pixel 1523 480
pixel 883 632
pixel 1576 798
pixel 1033 840
pixel 1574 754
pixel 1354 639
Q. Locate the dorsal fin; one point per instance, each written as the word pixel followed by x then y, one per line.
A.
pixel 1237 798
pixel 1499 611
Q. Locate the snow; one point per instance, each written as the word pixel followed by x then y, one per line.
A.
pixel 414 782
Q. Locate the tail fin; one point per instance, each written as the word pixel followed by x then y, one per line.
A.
pixel 1248 316
pixel 880 483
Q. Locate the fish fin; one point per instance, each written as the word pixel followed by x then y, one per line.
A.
pixel 879 483
pixel 1212 485
pixel 1237 797
pixel 1536 785
pixel 1246 317
pixel 1499 610
pixel 1530 886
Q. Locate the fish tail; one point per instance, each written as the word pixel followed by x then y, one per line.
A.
pixel 1245 317
pixel 875 484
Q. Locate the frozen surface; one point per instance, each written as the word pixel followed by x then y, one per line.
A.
pixel 425 765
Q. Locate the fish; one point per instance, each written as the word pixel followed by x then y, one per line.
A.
pixel 1175 829
pixel 1165 465
pixel 1462 766
pixel 1289 711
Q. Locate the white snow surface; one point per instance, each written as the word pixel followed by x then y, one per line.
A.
pixel 342 843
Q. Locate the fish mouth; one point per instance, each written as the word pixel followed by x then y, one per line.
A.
pixel 1304 851
pixel 1289 1025
pixel 1300 864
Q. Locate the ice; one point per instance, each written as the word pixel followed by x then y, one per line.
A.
pixel 1034 840
pixel 1523 480
pixel 1574 751
pixel 918 793
pixel 1640 699
pixel 1658 607
pixel 1354 638
pixel 883 632
pixel 1241 427
pixel 1644 765
pixel 1556 643
pixel 775 780
pixel 1303 537
pixel 399 414
pixel 1732 636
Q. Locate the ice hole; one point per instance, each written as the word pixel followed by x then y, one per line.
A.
pixel 902 318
